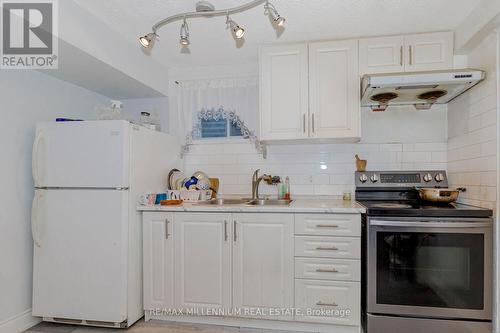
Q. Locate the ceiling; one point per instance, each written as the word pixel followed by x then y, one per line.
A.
pixel 212 44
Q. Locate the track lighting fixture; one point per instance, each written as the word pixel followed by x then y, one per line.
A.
pixel 237 31
pixel 277 18
pixel 184 33
pixel 148 40
pixel 206 9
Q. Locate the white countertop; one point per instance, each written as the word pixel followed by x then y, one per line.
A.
pixel 330 205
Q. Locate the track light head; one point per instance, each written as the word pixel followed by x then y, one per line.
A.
pixel 236 29
pixel 277 18
pixel 148 40
pixel 184 33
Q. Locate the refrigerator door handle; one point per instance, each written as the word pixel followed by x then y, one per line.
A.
pixel 34 158
pixel 34 219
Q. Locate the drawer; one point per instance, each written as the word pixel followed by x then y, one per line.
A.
pixel 328 247
pixel 328 224
pixel 328 269
pixel 337 302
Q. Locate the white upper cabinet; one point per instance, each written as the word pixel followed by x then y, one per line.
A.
pixel 410 53
pixel 428 52
pixel 381 55
pixel 283 92
pixel 334 89
pixel 309 91
pixel 263 266
pixel 202 260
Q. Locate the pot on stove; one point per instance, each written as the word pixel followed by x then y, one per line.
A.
pixel 439 195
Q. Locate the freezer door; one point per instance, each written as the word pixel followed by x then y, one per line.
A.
pixel 80 254
pixel 85 154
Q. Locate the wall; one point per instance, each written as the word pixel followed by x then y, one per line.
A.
pixel 27 97
pixel 472 127
pixel 394 140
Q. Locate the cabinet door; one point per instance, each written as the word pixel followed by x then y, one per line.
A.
pixel 334 89
pixel 158 254
pixel 202 260
pixel 381 55
pixel 427 52
pixel 263 263
pixel 283 92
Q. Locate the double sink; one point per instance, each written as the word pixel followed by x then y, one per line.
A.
pixel 246 202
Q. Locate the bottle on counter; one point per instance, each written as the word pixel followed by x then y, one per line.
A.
pixel 287 188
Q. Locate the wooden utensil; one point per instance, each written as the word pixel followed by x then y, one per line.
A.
pixel 214 186
pixel 360 164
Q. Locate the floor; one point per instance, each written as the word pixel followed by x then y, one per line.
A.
pixel 151 326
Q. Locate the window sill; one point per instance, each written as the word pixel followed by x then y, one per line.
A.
pixel 209 141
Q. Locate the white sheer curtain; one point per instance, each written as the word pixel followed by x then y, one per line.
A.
pixel 235 94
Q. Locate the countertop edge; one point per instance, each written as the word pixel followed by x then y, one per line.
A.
pixel 299 206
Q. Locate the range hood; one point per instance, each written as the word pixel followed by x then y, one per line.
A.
pixel 421 90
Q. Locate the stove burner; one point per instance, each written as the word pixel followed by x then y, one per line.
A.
pixel 391 205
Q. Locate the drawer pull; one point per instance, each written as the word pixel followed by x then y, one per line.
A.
pixel 325 248
pixel 326 304
pixel 322 270
pixel 326 226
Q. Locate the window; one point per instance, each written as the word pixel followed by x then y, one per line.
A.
pixel 218 125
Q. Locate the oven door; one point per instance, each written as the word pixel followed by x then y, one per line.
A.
pixel 440 268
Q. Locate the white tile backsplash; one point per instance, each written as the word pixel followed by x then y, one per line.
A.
pixel 314 169
pixel 473 147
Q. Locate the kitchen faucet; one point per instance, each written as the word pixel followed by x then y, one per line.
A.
pixel 256 181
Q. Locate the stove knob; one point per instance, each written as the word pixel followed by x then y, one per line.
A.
pixel 374 178
pixel 363 178
pixel 439 177
pixel 427 177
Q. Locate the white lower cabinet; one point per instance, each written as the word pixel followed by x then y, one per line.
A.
pixel 263 263
pixel 328 269
pixel 328 301
pixel 158 261
pixel 202 266
pixel 258 263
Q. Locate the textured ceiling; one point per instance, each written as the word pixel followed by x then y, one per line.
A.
pixel 212 44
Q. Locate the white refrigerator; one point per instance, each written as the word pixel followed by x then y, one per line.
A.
pixel 88 176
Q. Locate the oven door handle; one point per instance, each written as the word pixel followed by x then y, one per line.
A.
pixel 419 224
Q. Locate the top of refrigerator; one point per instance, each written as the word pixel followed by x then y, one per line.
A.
pixel 87 154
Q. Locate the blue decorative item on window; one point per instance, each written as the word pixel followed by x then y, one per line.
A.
pixel 218 123
pixel 213 128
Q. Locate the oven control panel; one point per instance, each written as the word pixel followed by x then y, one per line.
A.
pixel 429 178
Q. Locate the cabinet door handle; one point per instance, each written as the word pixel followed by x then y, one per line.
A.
pixel 166 229
pixel 313 129
pixel 326 226
pixel 320 303
pixel 322 270
pixel 327 248
pixel 234 231
pixel 225 230
pixel 304 123
pixel 410 54
pixel 401 55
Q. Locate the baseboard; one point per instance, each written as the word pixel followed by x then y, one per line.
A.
pixel 262 324
pixel 19 323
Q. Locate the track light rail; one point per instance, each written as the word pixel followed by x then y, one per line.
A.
pixel 221 12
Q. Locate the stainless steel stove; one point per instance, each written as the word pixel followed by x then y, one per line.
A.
pixel 426 267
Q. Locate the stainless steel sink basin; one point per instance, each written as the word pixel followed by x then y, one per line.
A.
pixel 221 201
pixel 268 202
pixel 245 201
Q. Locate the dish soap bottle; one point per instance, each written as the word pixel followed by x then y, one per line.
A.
pixel 287 188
